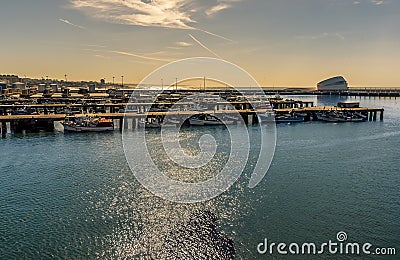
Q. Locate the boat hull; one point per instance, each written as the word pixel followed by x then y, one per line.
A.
pixel 289 120
pixel 68 128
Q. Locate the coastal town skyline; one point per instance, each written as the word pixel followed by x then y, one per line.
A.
pixel 280 43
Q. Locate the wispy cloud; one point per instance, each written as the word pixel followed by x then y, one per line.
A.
pixel 321 36
pixel 183 44
pixel 160 13
pixel 378 2
pixel 150 56
pixel 69 23
pixel 203 46
pixel 140 56
pixel 164 13
pixel 221 5
pixel 217 8
pixel 375 2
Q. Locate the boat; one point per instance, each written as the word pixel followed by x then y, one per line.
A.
pixel 289 119
pixel 340 117
pixel 200 120
pixel 87 124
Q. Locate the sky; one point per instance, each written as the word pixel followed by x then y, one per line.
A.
pixel 291 43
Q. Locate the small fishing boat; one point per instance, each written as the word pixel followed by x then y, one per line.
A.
pixel 336 117
pixel 289 119
pixel 87 124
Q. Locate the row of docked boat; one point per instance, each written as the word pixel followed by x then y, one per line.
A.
pixel 326 116
pixel 99 124
pixel 196 120
pixel 338 117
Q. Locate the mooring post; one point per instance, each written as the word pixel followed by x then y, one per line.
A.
pixel 245 117
pixel 256 121
pixel 121 123
pixel 12 126
pixel 249 119
pixel 133 123
pixel 3 129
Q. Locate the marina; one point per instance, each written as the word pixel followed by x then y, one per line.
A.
pixel 17 118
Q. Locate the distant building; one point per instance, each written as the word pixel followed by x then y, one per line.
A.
pixel 10 79
pixel 333 84
pixel 18 85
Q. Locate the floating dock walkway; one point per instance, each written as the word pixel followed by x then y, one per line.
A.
pixel 18 123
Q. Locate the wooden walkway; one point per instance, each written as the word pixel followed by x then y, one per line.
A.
pixel 58 117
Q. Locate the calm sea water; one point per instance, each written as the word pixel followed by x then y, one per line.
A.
pixel 74 196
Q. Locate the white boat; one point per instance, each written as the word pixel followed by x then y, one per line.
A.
pixel 87 124
pixel 289 119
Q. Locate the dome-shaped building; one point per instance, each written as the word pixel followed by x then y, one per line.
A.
pixel 333 84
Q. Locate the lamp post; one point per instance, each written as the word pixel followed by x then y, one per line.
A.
pixel 122 77
pixel 113 82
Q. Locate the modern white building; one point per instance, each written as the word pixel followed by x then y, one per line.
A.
pixel 333 84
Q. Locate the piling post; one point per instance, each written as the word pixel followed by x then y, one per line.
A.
pixel 12 126
pixel 249 119
pixel 245 118
pixel 381 115
pixel 126 123
pixel 121 123
pixel 133 123
pixel 374 115
pixel 255 118
pixel 3 129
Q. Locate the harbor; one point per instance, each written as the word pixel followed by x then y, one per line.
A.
pixel 28 116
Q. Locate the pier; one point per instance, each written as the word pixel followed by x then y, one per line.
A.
pixel 351 92
pixel 34 115
pixel 20 123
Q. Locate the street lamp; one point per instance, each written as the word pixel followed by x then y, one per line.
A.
pixel 122 77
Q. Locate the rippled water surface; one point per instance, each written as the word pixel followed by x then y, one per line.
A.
pixel 74 196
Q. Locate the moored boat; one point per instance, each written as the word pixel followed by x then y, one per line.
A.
pixel 289 119
pixel 200 120
pixel 87 124
pixel 340 117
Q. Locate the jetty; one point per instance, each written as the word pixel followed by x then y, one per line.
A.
pixel 17 118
